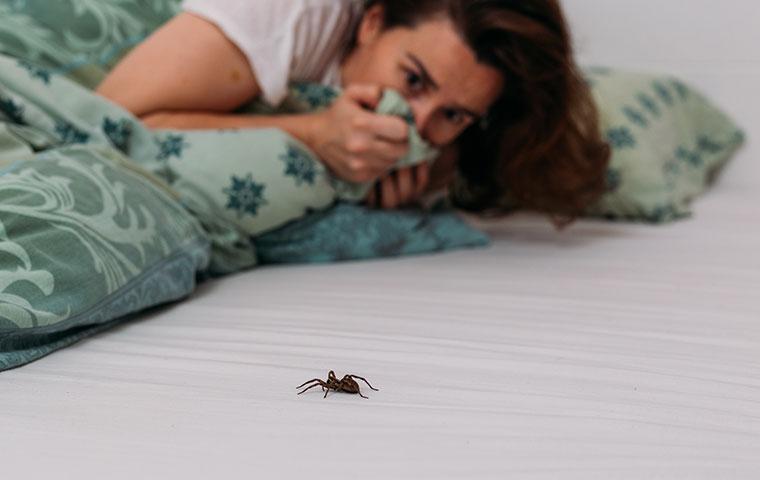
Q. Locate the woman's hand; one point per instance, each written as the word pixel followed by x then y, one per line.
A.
pixel 399 188
pixel 408 185
pixel 356 144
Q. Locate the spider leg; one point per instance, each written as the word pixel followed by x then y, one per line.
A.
pixel 365 381
pixel 304 383
pixel 312 386
pixel 326 390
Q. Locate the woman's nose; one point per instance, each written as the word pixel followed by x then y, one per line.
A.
pixel 423 115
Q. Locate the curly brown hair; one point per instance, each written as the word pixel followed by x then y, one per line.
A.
pixel 542 148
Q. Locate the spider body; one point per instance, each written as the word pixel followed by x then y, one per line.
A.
pixel 346 384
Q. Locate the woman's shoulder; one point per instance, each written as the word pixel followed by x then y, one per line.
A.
pixel 284 40
pixel 339 4
pixel 290 8
pixel 270 20
pixel 322 9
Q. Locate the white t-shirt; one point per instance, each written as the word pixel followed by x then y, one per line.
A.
pixel 286 40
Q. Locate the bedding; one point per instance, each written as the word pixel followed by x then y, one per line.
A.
pixel 346 232
pixel 82 40
pixel 85 239
pixel 669 144
pixel 669 140
pixel 614 350
pixel 224 193
pixel 140 214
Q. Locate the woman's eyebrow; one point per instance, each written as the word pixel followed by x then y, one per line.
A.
pixel 423 71
pixel 428 79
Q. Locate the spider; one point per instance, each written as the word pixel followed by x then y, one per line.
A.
pixel 346 384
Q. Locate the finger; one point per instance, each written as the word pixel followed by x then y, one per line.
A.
pixel 366 95
pixel 421 178
pixel 389 199
pixel 387 127
pixel 375 195
pixel 380 164
pixel 388 152
pixel 370 199
pixel 405 185
pixel 378 193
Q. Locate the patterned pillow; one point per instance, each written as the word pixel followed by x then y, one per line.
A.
pixel 669 144
pixel 349 231
pixel 278 182
pixel 87 237
pixel 79 39
pixel 85 240
pixel 354 232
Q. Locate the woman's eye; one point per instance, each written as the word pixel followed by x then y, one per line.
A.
pixel 414 81
pixel 454 116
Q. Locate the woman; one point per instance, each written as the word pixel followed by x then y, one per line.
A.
pixel 491 82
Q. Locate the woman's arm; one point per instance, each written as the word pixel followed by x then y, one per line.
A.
pixel 353 141
pixel 188 74
pixel 186 65
pixel 305 127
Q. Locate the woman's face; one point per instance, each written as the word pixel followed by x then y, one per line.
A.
pixel 432 67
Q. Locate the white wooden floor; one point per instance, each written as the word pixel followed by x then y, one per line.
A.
pixel 609 352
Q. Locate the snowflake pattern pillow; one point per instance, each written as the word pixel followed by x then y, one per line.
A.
pixel 265 178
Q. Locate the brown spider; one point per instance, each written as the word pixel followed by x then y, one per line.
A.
pixel 346 384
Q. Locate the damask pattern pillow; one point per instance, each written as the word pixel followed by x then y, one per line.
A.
pixel 669 144
pixel 81 39
pixel 85 241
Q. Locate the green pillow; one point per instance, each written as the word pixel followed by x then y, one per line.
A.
pixel 354 232
pixel 669 143
pixel 86 239
pixel 310 97
pixel 80 39
pixel 278 182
